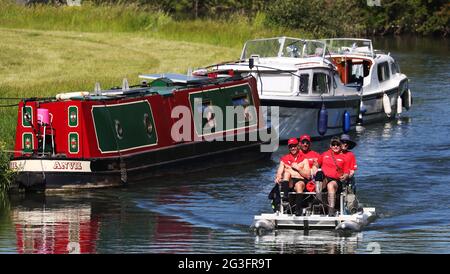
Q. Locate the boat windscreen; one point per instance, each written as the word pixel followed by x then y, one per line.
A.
pixel 350 46
pixel 314 48
pixel 263 48
pixel 283 47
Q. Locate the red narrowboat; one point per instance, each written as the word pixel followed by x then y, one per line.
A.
pixel 110 137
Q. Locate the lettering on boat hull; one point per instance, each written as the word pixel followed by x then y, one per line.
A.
pixel 37 165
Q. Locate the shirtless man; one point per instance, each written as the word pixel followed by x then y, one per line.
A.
pixel 306 153
pixel 287 176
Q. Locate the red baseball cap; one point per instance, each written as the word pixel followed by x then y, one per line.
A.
pixel 305 137
pixel 292 141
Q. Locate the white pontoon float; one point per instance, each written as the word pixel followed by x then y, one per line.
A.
pixel 311 219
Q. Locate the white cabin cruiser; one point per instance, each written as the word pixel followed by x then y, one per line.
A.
pixel 294 75
pixel 385 90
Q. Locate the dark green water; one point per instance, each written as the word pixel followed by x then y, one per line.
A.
pixel 404 171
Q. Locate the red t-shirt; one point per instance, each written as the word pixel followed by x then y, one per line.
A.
pixel 351 160
pixel 329 166
pixel 289 159
pixel 310 155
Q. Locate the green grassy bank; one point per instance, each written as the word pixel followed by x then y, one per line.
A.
pixel 45 49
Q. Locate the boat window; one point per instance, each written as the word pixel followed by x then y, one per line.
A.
pixel 208 115
pixel 357 72
pixel 119 129
pixel 241 101
pixel 304 82
pixel 148 124
pixel 383 71
pixel 321 83
pixel 292 48
pixel 244 101
pixel 263 48
pixel 393 68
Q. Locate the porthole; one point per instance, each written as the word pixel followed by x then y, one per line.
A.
pixel 244 102
pixel 148 124
pixel 119 129
pixel 210 117
pixel 248 115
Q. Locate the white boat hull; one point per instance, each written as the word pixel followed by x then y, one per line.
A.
pixel 374 107
pixel 298 120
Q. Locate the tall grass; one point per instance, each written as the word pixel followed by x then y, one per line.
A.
pixel 86 18
pixel 6 175
pixel 231 31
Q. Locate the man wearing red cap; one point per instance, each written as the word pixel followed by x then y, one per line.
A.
pixel 286 175
pixel 306 153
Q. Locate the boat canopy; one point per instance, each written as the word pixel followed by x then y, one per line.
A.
pixel 352 46
pixel 283 47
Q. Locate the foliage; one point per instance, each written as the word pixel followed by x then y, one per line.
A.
pixel 356 18
pixel 6 174
pixel 321 17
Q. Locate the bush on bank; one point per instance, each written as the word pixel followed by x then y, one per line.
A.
pixel 6 174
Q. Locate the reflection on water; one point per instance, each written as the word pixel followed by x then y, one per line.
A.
pixel 312 242
pixel 57 229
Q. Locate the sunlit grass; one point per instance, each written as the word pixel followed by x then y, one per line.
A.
pixel 45 50
pixel 36 63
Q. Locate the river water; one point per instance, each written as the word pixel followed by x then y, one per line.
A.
pixel 404 171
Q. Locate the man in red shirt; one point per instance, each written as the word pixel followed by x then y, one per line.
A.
pixel 347 145
pixel 307 153
pixel 286 175
pixel 335 169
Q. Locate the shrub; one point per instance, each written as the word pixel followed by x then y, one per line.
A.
pixel 6 174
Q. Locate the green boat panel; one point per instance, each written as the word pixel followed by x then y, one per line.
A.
pixel 124 126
